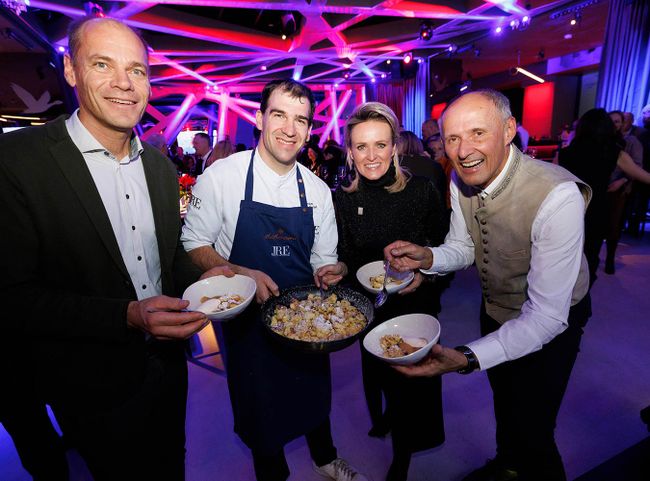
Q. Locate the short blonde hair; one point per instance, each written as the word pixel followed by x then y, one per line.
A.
pixel 378 112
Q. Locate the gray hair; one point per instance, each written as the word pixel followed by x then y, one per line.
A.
pixel 499 100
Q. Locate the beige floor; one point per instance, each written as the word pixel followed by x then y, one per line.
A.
pixel 599 417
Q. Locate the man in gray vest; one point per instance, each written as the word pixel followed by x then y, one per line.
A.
pixel 521 221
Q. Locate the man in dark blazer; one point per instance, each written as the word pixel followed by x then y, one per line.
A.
pixel 89 283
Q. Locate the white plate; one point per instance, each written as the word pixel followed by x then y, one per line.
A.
pixel 407 326
pixel 376 268
pixel 221 286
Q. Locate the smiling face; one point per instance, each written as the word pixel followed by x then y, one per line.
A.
pixel 110 74
pixel 477 139
pixel 371 148
pixel 285 129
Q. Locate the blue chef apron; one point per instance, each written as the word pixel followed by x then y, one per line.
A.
pixel 277 393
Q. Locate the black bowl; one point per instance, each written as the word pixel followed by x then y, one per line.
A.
pixel 357 299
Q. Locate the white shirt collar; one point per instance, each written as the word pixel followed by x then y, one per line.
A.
pixel 269 171
pixel 86 143
pixel 495 183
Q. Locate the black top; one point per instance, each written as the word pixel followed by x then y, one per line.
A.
pixel 371 218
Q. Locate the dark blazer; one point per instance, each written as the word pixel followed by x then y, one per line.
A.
pixel 63 283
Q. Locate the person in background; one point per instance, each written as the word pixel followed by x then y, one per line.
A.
pixel 521 221
pixel 638 204
pixel 384 203
pixel 202 151
pixel 223 149
pixel 429 129
pixel 270 218
pixel 593 156
pixel 413 157
pixel 91 238
pixel 523 136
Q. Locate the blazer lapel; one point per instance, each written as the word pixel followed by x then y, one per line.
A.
pixel 72 163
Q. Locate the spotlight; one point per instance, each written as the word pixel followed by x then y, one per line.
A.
pixel 373 79
pixel 408 57
pixel 346 75
pixel 263 68
pixel 576 18
pixel 289 26
pixel 525 22
pixel 94 10
pixel 383 75
pixel 568 36
pixel 452 48
pixel 388 62
pixel 426 31
pixel 420 60
pixel 498 30
pixel 61 49
pixel 284 37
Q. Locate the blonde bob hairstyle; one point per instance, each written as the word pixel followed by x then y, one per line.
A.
pixel 382 113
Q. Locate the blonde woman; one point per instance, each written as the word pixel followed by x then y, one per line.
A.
pixel 383 203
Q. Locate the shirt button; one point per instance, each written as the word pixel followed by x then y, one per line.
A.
pixel 139 258
pixel 483 222
pixel 484 270
pixel 485 251
pixel 485 260
pixel 484 231
pixel 485 241
pixel 127 196
pixel 302 195
pixel 144 286
pixel 132 227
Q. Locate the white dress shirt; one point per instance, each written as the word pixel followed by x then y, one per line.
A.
pixel 123 189
pixel 557 237
pixel 213 212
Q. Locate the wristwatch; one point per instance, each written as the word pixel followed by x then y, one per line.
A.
pixel 472 362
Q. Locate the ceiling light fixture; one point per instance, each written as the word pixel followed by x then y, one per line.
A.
pixel 528 74
pixel 426 32
pixel 408 57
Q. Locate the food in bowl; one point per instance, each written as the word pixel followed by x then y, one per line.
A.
pixel 318 320
pixel 377 282
pixel 210 305
pixel 394 345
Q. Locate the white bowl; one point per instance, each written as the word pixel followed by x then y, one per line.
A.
pixel 376 268
pixel 221 286
pixel 407 326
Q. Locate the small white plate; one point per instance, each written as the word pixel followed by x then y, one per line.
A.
pixel 221 286
pixel 407 326
pixel 376 268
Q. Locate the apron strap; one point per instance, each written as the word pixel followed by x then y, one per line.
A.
pixel 248 194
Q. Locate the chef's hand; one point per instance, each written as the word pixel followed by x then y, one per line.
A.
pixel 440 360
pixel 265 285
pixel 161 317
pixel 218 271
pixel 406 256
pixel 417 280
pixel 330 275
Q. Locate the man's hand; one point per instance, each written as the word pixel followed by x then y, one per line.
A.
pixel 218 271
pixel 265 285
pixel 406 256
pixel 160 316
pixel 440 360
pixel 330 275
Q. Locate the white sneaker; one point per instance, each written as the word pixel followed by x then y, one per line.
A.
pixel 340 470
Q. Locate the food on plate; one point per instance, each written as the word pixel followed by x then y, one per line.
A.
pixel 210 305
pixel 316 320
pixel 378 281
pixel 394 345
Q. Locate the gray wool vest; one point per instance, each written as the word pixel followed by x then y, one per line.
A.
pixel 500 226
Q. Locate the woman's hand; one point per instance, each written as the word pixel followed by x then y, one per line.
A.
pixel 330 275
pixel 417 280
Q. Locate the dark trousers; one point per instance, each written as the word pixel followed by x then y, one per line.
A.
pixel 274 467
pixel 144 437
pixel 24 416
pixel 527 396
